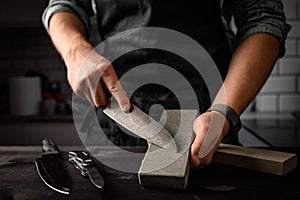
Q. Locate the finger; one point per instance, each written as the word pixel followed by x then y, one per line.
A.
pixel 195 148
pixel 195 161
pixel 208 158
pixel 100 100
pixel 113 85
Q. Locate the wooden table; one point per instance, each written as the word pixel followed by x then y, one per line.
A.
pixel 19 180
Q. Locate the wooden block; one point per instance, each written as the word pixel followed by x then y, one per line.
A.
pixel 274 162
pixel 165 169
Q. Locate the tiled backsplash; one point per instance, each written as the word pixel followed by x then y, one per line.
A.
pixel 282 90
pixel 24 49
pixel 30 49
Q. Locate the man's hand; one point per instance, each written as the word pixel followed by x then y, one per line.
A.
pixel 253 59
pixel 93 77
pixel 89 74
pixel 210 128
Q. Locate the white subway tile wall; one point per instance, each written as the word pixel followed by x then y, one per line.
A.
pixel 295 31
pixel 266 102
pixel 291 47
pixel 275 69
pixel 289 66
pixel 290 7
pixel 279 84
pixel 289 102
pixel 281 93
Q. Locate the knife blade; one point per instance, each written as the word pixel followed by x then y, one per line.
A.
pixel 84 163
pixel 51 169
pixel 142 125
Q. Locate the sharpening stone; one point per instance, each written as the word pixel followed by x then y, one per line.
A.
pixel 165 169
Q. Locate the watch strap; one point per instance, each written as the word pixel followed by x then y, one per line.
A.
pixel 231 115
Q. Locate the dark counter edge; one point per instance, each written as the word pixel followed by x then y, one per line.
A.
pixel 36 118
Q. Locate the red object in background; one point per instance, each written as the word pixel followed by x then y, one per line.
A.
pixel 47 95
pixel 60 97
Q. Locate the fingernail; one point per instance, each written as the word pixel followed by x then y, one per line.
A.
pixel 126 107
pixel 197 161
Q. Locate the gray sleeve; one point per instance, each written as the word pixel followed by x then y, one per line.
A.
pixel 261 16
pixel 81 8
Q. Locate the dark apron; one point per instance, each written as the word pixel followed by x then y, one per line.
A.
pixel 200 20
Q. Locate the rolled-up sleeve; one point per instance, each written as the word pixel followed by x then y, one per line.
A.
pixel 81 8
pixel 261 16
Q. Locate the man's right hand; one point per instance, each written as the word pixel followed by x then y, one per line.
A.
pixel 95 75
pixel 89 73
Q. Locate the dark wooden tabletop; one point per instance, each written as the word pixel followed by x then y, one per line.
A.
pixel 19 180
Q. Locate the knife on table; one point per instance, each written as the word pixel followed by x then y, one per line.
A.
pixel 51 168
pixel 142 125
pixel 85 164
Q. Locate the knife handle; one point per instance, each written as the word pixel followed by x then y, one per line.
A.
pixel 49 146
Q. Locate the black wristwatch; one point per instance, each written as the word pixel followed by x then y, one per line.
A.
pixel 232 117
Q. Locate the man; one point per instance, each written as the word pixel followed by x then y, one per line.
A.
pixel 259 41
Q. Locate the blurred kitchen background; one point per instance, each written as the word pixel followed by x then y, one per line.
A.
pixel 26 50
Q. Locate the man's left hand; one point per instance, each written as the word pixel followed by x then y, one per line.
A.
pixel 209 128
